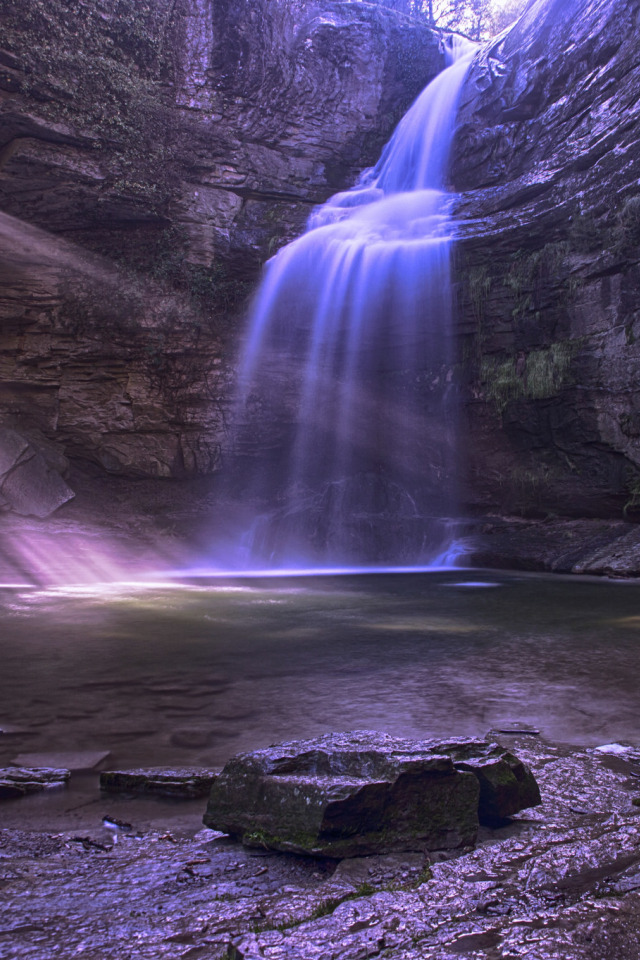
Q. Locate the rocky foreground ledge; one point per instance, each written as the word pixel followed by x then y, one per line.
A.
pixel 561 880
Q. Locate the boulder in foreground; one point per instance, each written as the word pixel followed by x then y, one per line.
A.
pixel 363 792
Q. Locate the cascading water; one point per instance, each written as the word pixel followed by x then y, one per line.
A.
pixel 345 448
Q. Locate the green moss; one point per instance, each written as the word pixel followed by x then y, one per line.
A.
pixel 632 487
pixel 424 876
pixel 103 75
pixel 328 906
pixel 530 275
pixel 213 288
pixel 586 233
pixel 534 376
pixel 270 841
pixel 479 283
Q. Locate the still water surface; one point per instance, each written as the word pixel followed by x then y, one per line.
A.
pixel 190 673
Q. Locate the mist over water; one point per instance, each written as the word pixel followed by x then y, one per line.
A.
pixel 344 445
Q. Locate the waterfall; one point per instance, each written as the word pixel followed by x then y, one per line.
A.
pixel 345 443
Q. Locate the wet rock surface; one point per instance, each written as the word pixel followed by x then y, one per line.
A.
pixel 506 783
pixel 162 781
pixel 559 881
pixel 609 548
pixel 365 792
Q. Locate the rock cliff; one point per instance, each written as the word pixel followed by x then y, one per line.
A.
pixel 547 159
pixel 152 156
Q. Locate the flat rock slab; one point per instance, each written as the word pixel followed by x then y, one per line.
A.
pixel 19 781
pixel 364 792
pixel 160 781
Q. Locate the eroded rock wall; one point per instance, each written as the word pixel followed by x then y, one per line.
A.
pixel 152 156
pixel 547 157
pixel 166 150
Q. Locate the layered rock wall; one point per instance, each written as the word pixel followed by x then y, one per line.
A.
pixel 547 157
pixel 152 156
pixel 181 142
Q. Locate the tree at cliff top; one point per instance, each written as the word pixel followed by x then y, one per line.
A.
pixel 478 19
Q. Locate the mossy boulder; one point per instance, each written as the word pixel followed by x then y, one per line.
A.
pixel 363 792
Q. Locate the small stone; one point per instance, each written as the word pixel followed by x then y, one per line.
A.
pixel 183 783
pixel 517 729
pixel 614 749
pixel 114 823
pixel 19 781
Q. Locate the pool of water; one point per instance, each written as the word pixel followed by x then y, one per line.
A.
pixel 191 672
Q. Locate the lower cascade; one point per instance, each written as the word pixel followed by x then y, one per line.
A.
pixel 344 448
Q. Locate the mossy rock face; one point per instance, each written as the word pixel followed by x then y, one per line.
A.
pixel 364 792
